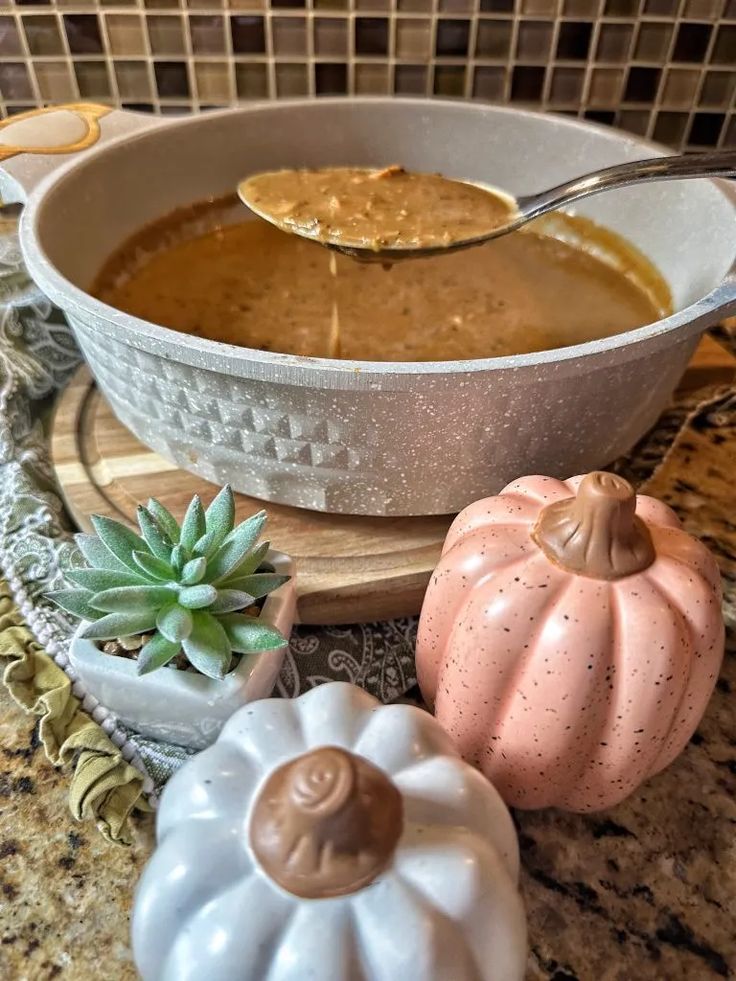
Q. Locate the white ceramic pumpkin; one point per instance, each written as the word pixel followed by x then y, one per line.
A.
pixel 333 838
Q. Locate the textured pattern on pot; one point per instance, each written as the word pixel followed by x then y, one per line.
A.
pixel 323 434
pixel 570 639
pixel 335 838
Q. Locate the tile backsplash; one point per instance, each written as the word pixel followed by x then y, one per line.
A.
pixel 665 69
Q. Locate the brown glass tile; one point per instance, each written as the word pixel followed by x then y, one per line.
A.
pixel 642 84
pixel 567 85
pixel 372 78
pixel 289 35
pixel 248 35
pixel 621 8
pixel 534 41
pixel 158 4
pixel 653 41
pixel 705 129
pixel 291 80
pixel 133 81
pixel 166 34
pixel 14 80
pixel 605 117
pixel 331 37
pixel 125 33
pixel 691 42
pixel 680 87
pixel 83 33
pixel 413 37
pixel 43 35
pixel 371 35
pixel 171 79
pixel 724 49
pixel 218 4
pixel 614 42
pixel 251 81
pixel 730 138
pixel 527 82
pixel 605 86
pixel 661 8
pixel 373 6
pixel 449 81
pixel 489 83
pixel 234 4
pixel 410 79
pixel 730 10
pixel 416 6
pixel 279 4
pixel 207 33
pixel 493 39
pixel 573 41
pixel 718 88
pixel 213 81
pixel 702 9
pixel 331 4
pixel 538 8
pixel 16 111
pixel 93 80
pixel 670 128
pixel 634 120
pixel 455 6
pixel 330 79
pixel 452 37
pixel 581 8
pixel 54 80
pixel 9 40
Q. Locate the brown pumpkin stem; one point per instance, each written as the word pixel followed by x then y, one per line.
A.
pixel 597 533
pixel 326 823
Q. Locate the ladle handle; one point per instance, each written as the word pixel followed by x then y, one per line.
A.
pixel 720 163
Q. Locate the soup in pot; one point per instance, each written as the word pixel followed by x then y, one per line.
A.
pixel 558 282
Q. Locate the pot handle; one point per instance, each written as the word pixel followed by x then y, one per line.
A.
pixel 34 143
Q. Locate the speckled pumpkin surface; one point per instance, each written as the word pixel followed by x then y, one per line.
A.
pixel 570 639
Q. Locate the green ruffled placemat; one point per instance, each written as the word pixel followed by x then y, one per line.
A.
pixel 114 770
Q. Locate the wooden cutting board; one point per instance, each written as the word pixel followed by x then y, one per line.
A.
pixel 350 569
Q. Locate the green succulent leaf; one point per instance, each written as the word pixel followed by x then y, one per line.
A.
pixel 258 585
pixel 193 571
pixel 120 625
pixel 230 600
pixel 207 647
pixel 206 545
pixel 248 566
pixel 179 558
pixel 248 635
pixel 197 597
pixel 98 555
pixel 165 520
pixel 175 623
pixel 236 547
pixel 154 568
pixel 133 599
pixel 220 516
pixel 98 579
pixel 120 541
pixel 156 653
pixel 193 526
pixel 76 602
pixel 157 541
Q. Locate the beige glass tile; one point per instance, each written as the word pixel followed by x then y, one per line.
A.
pixel 414 6
pixel 680 87
pixel 413 37
pixel 240 4
pixel 702 9
pixel 207 33
pixel 9 39
pixel 126 35
pixel 635 121
pixel 133 81
pixel 494 39
pixel 289 35
pixel 14 80
pixel 213 81
pixel 379 5
pixel 166 34
pixel 251 80
pixel 456 6
pixel 291 80
pixel 718 88
pixel 372 78
pixel 489 83
pixel 536 8
pixel 567 85
pixel 43 35
pixel 605 86
pixel 653 41
pixel 614 42
pixel 330 36
pixel 54 79
pixel 534 41
pixel 331 4
pixel 587 9
pixel 93 80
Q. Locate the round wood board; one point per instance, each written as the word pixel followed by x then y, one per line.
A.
pixel 350 569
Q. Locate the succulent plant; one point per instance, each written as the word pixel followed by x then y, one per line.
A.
pixel 186 586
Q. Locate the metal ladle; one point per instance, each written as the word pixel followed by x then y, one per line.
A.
pixel 528 207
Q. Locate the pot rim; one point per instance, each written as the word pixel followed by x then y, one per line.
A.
pixel 243 361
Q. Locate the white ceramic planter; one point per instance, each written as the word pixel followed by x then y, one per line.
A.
pixel 184 707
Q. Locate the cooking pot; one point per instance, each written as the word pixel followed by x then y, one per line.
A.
pixel 360 437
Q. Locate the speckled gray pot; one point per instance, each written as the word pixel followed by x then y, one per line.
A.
pixel 364 437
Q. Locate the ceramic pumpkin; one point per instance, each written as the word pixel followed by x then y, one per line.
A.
pixel 570 639
pixel 334 838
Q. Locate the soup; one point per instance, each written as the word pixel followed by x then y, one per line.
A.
pixel 558 282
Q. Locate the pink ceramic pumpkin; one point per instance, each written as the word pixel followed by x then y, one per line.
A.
pixel 570 639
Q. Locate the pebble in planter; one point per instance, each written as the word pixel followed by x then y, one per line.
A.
pixel 180 625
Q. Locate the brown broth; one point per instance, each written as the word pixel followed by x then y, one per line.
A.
pixel 253 285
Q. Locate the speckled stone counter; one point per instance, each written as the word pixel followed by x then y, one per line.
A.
pixel 644 892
